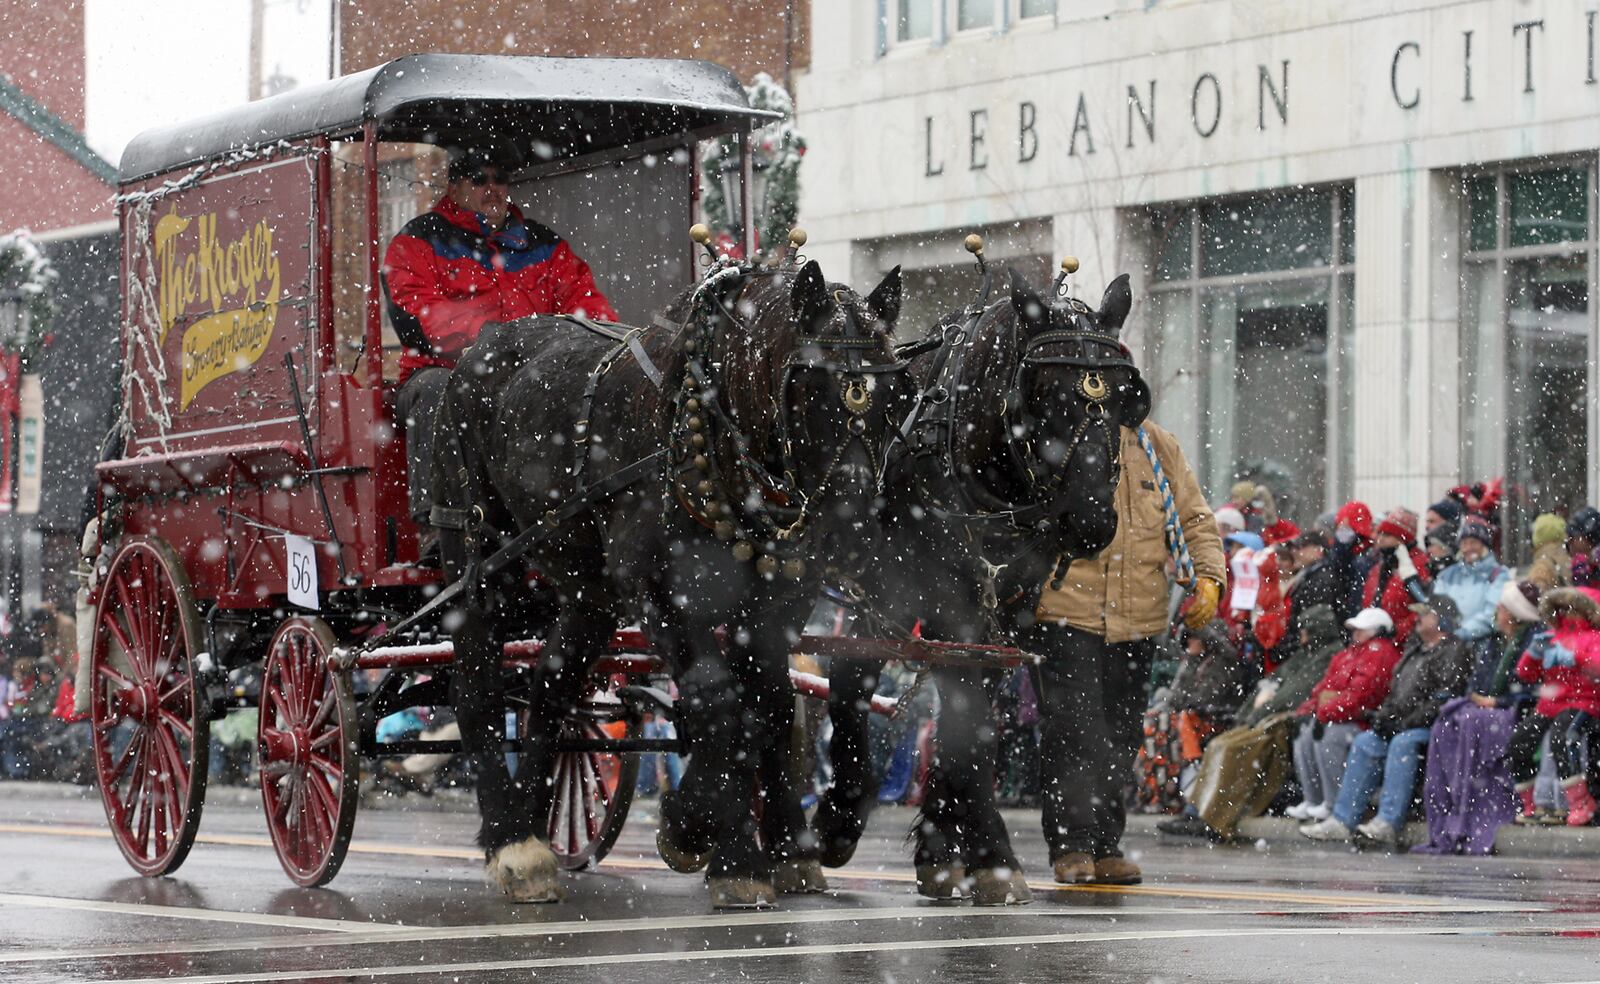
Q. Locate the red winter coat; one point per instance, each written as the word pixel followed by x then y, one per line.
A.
pixel 446 277
pixel 1358 678
pixel 1396 600
pixel 1563 688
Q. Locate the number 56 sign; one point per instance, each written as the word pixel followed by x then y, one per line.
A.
pixel 302 571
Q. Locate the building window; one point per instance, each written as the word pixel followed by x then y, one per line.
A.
pixel 1036 8
pixel 913 19
pixel 972 14
pixel 1252 303
pixel 1528 344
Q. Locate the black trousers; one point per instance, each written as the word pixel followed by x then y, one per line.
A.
pixel 1574 738
pixel 1091 719
pixel 416 407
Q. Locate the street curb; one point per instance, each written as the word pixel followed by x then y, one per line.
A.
pixel 1511 841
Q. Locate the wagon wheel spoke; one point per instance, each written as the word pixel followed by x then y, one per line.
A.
pixel 322 741
pixel 178 769
pixel 178 724
pixel 592 793
pixel 277 711
pixel 333 770
pixel 178 693
pixel 324 710
pixel 306 681
pixel 121 765
pixel 122 682
pixel 575 818
pixel 120 634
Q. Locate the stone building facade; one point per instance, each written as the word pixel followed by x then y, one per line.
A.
pixel 1362 235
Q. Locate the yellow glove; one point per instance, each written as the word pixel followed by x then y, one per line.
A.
pixel 1207 593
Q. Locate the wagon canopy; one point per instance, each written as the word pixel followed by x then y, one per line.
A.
pixel 535 108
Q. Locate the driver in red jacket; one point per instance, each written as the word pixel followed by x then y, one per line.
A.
pixel 471 260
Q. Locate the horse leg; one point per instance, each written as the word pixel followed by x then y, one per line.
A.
pixel 579 633
pixel 762 668
pixel 841 816
pixel 967 747
pixel 518 860
pixel 936 841
pixel 709 813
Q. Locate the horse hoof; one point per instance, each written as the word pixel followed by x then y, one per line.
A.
pixel 941 881
pixel 836 853
pixel 741 892
pixel 799 878
pixel 678 859
pixel 1000 886
pixel 837 832
pixel 525 872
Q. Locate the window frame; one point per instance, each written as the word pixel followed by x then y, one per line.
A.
pixel 1340 274
pixel 1496 261
pixel 947 28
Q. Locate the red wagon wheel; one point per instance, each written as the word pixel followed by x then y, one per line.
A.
pixel 151 732
pixel 306 737
pixel 591 790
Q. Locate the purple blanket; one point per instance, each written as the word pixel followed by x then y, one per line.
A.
pixel 1468 791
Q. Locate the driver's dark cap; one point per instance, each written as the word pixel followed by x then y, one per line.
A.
pixel 467 161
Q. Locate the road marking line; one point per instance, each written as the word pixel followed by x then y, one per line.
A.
pixel 733 921
pixel 830 949
pixel 184 912
pixel 639 864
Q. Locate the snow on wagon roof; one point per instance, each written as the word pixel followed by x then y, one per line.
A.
pixel 569 106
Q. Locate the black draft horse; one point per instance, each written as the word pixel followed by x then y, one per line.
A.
pixel 1007 471
pixel 761 446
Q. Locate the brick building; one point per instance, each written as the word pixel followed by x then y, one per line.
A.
pixel 55 186
pixel 769 36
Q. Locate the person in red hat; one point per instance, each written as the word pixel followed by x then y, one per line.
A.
pixel 1351 555
pixel 1399 578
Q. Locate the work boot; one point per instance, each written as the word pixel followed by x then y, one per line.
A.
pixel 1116 871
pixel 1580 802
pixel 1187 825
pixel 1073 869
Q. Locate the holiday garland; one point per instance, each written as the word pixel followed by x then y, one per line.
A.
pixel 776 152
pixel 25 270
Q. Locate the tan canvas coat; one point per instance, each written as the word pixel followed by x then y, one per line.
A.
pixel 1122 593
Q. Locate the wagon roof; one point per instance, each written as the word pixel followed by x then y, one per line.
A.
pixel 571 106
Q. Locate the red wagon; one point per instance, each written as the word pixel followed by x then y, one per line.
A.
pixel 255 515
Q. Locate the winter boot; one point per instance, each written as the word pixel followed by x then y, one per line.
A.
pixel 1529 812
pixel 1580 802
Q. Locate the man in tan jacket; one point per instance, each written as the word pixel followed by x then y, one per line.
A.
pixel 1097 634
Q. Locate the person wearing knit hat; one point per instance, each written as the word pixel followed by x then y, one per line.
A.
pixel 1446 510
pixel 1229 520
pixel 1583 546
pixel 1400 575
pixel 1400 524
pixel 1474 582
pixel 1440 546
pixel 1521 599
pixel 1551 566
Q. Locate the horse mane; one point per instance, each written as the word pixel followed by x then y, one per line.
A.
pixel 991 361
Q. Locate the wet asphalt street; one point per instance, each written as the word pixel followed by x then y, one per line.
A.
pixel 411 906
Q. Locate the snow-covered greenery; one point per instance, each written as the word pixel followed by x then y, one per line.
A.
pixel 778 149
pixel 25 270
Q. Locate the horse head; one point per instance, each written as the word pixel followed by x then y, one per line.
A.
pixel 1074 387
pixel 810 377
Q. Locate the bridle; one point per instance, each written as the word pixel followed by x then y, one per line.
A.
pixel 714 473
pixel 930 430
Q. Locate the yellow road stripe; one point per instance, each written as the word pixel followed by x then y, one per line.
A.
pixel 637 864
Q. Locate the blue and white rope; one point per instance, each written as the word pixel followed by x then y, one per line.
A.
pixel 1177 543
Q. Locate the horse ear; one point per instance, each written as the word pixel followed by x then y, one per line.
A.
pixel 1115 304
pixel 810 296
pixel 884 301
pixel 1028 305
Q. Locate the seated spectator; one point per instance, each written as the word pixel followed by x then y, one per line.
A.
pixel 1440 546
pixel 1244 768
pixel 1209 687
pixel 1435 668
pixel 1551 567
pixel 1475 583
pixel 1399 576
pixel 1583 547
pixel 1355 684
pixel 1445 512
pixel 1467 793
pixel 1565 663
pixel 1315 581
pixel 1352 554
pixel 1229 521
